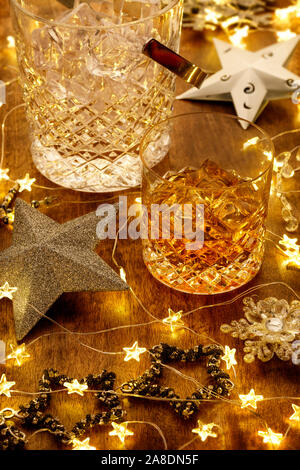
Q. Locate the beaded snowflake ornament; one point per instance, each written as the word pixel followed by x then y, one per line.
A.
pixel 208 14
pixel 270 327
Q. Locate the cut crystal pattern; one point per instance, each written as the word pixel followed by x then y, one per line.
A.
pixel 91 94
pixel 234 229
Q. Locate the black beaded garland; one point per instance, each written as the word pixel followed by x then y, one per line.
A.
pixel 146 384
pixel 6 202
pixel 32 414
pixel 11 438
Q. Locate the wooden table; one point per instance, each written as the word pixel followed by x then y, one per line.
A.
pixel 98 311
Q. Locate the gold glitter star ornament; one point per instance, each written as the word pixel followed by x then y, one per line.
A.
pixel 47 259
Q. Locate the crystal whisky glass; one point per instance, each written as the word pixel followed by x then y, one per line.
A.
pixel 89 91
pixel 210 163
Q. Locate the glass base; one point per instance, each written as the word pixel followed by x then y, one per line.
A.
pixel 209 282
pixel 98 175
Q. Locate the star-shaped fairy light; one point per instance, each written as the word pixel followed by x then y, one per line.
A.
pixel 18 353
pixel 174 319
pixel 5 386
pixel 134 352
pixel 7 291
pixel 270 437
pixel 249 79
pixel 250 400
pixel 76 387
pixel 296 415
pixel 285 35
pixel 10 41
pixel 291 249
pixel 4 174
pixel 47 258
pixel 121 431
pixel 229 357
pixel 205 430
pixel 290 244
pixel 25 183
pixel 82 445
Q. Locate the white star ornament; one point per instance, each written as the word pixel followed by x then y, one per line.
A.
pixel 249 79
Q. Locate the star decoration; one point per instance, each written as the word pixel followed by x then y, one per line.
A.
pixel 174 319
pixel 162 354
pixel 7 291
pixel 296 415
pixel 289 243
pixel 82 445
pixel 134 352
pixel 39 417
pixel 250 399
pixel 25 183
pixel 75 387
pixel 205 430
pixel 47 258
pixel 271 437
pixel 229 357
pixel 18 353
pixel 249 79
pixel 121 431
pixel 5 386
pixel 4 174
pixel 285 35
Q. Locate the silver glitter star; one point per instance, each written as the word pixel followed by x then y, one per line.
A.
pixel 47 259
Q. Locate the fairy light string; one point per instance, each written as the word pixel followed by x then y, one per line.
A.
pixel 237 20
pixel 242 19
pixel 234 402
pixel 288 246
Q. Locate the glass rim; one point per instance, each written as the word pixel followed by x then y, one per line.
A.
pixel 40 19
pixel 231 116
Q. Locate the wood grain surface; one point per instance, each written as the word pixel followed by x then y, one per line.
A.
pixel 87 312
